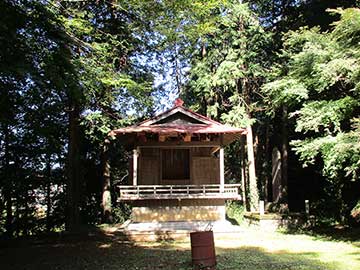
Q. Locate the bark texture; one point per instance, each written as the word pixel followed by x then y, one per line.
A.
pixel 74 169
pixel 106 184
pixel 254 193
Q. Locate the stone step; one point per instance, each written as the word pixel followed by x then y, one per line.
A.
pixel 165 231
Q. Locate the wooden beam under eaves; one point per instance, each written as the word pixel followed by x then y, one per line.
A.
pixel 162 138
pixel 187 138
pixel 214 150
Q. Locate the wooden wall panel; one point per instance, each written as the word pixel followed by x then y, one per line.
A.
pixel 205 170
pixel 201 151
pixel 149 169
pixel 175 164
pixel 204 167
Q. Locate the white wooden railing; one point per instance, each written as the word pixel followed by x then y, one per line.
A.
pixel 142 192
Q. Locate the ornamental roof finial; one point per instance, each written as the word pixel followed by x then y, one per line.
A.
pixel 178 102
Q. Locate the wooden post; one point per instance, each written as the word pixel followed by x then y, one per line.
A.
pixel 222 177
pixel 307 207
pixel 135 165
pixel 261 208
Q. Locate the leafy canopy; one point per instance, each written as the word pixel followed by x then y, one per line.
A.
pixel 320 84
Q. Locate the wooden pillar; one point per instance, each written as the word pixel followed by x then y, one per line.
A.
pixel 307 207
pixel 135 165
pixel 261 208
pixel 222 177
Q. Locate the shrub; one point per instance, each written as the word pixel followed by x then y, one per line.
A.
pixel 121 213
pixel 355 212
pixel 235 210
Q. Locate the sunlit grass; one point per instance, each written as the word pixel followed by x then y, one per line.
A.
pixel 247 250
pixel 254 249
pixel 295 251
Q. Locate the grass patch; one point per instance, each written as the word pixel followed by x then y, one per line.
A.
pixel 249 250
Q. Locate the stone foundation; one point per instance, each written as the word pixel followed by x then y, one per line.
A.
pixel 272 222
pixel 178 213
pixel 178 210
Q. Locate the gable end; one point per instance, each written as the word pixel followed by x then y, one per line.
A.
pixel 178 119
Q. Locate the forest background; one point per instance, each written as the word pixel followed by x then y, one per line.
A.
pixel 72 70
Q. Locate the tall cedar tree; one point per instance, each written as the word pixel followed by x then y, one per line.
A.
pixel 320 86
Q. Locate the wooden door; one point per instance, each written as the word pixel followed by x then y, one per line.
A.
pixel 175 166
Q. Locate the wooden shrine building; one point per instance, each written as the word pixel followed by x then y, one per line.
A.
pixel 177 167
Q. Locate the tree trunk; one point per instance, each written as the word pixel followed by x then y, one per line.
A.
pixel 9 213
pixel 203 50
pixel 25 218
pixel 267 158
pixel 244 189
pixel 253 188
pixel 254 194
pixel 284 156
pixel 8 184
pixel 177 70
pixel 243 85
pixel 48 194
pixel 73 181
pixel 106 185
pixel 276 175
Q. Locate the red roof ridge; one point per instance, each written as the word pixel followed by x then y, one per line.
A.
pixel 179 106
pixel 206 125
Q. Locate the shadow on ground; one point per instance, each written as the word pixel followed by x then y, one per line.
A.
pixel 232 220
pixel 331 233
pixel 99 250
pixel 338 233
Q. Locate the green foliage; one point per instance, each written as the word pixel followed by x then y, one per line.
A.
pixel 227 69
pixel 233 54
pixel 285 91
pixel 237 116
pixel 121 213
pixel 322 70
pixel 355 212
pixel 97 60
pixel 66 68
pixel 329 115
pixel 347 30
pixel 236 211
pixel 318 81
pixel 340 153
pixel 174 29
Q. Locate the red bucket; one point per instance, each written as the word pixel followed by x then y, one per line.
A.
pixel 203 250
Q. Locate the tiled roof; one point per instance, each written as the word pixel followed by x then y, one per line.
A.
pixel 201 125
